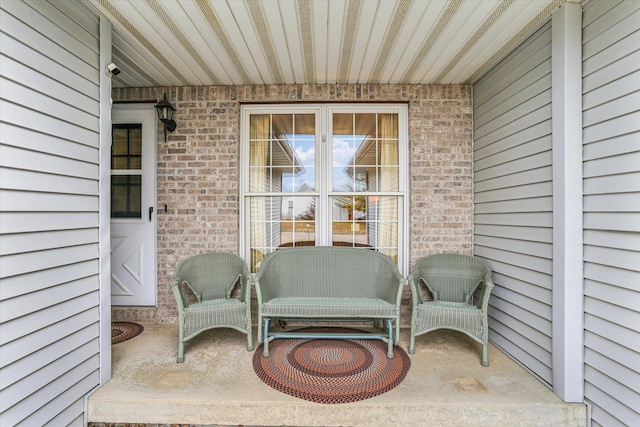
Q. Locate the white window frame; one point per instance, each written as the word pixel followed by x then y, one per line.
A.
pixel 324 114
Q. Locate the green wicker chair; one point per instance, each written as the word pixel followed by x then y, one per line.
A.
pixel 203 286
pixel 460 286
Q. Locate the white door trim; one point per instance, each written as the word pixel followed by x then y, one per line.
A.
pixel 145 114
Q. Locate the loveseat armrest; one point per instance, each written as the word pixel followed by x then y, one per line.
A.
pixel 401 284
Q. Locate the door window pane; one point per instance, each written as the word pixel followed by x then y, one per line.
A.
pixel 126 156
pixel 126 196
pixel 126 147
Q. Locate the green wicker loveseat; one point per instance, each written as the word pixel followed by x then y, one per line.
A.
pixel 328 282
pixel 203 286
pixel 459 287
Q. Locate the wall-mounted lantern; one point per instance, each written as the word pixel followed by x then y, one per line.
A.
pixel 165 114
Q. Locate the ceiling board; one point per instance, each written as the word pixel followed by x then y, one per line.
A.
pixel 273 14
pixel 318 37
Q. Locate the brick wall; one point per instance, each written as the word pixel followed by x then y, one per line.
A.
pixel 198 170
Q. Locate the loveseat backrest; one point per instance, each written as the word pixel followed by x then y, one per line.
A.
pixel 328 271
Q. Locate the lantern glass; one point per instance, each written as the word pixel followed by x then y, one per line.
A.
pixel 165 109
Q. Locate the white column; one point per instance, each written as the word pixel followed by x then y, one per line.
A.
pixel 105 202
pixel 568 334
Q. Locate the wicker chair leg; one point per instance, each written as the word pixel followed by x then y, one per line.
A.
pixel 485 355
pixel 265 340
pixel 180 352
pixel 259 330
pixel 412 345
pixel 390 340
pixel 249 342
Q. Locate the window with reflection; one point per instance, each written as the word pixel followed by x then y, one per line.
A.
pixel 323 175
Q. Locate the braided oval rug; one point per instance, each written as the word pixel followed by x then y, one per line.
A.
pixel 331 370
pixel 122 331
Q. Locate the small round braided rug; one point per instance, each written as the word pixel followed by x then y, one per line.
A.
pixel 122 331
pixel 331 370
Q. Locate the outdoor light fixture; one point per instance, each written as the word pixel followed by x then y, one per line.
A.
pixel 165 114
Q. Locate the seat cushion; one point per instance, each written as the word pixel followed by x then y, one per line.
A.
pixel 218 302
pixel 318 307
pixel 216 313
pixel 449 315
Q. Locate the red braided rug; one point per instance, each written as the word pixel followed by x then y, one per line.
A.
pixel 331 370
pixel 122 331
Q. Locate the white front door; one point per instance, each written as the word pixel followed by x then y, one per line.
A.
pixel 133 205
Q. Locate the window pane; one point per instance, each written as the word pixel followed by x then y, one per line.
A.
pixel 365 159
pixel 260 126
pixel 282 153
pixel 294 181
pixel 282 125
pixel 365 124
pixel 119 162
pixel 388 178
pixel 305 181
pixel 259 179
pixel 388 126
pixel 343 163
pixel 126 147
pixel 126 196
pixel 342 124
pixel 135 162
pixel 280 222
pixel 348 225
pixel 365 221
pixel 135 140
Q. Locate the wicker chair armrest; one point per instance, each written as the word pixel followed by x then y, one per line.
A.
pixel 398 296
pixel 238 280
pixel 487 287
pixel 181 299
pixel 416 295
pixel 197 294
pixel 435 294
pixel 256 285
pixel 246 280
pixel 401 284
pixel 468 296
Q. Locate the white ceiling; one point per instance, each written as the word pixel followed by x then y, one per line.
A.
pixel 236 42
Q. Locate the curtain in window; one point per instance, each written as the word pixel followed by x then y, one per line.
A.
pixel 388 210
pixel 258 183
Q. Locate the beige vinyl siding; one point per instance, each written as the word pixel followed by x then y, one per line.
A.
pixel 513 199
pixel 611 138
pixel 49 211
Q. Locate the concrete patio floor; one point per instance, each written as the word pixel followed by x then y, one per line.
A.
pixel 216 385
